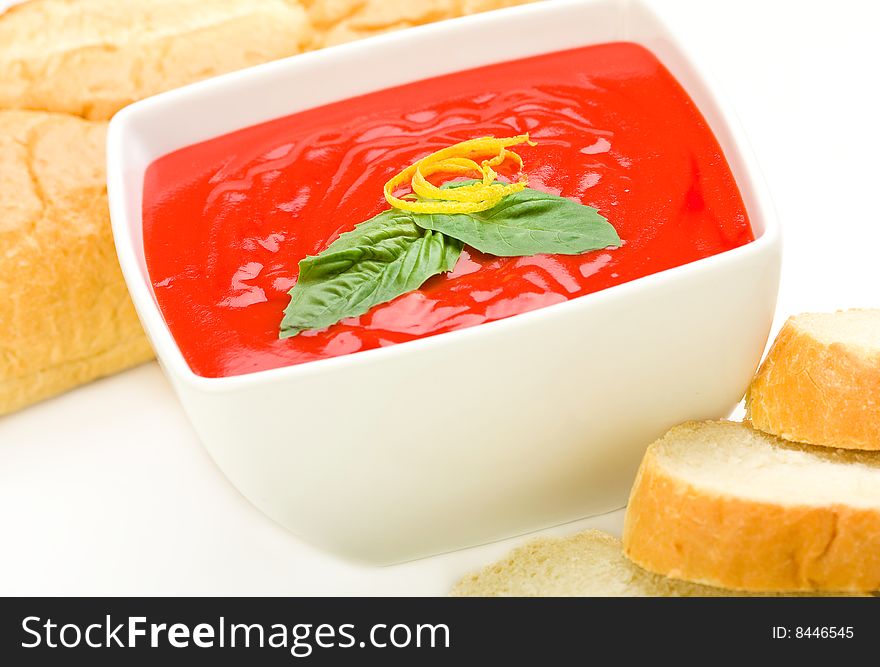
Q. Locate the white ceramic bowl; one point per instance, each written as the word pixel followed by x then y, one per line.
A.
pixel 387 455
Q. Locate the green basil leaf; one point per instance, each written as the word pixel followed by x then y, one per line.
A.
pixel 529 222
pixel 382 258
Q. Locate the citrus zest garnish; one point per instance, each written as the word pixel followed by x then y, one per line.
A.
pixel 460 159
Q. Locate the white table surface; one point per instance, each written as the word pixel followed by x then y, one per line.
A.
pixel 106 490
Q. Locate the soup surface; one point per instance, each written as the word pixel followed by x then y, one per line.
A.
pixel 226 221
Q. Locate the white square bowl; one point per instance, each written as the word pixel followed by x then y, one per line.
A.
pixel 387 455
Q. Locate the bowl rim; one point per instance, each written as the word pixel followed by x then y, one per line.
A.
pixel 166 348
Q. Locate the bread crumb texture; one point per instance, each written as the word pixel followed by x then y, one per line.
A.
pixel 820 382
pixel 588 564
pixel 722 504
pixel 66 315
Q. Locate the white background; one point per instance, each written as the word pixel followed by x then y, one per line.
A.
pixel 106 490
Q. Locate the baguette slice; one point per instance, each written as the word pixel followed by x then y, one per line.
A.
pixel 65 314
pixel 92 57
pixel 722 504
pixel 589 564
pixel 820 383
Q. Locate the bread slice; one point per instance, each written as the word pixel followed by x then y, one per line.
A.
pixel 589 564
pixel 65 312
pixel 722 504
pixel 820 383
pixel 92 57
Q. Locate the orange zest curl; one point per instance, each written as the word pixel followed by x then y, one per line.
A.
pixel 460 159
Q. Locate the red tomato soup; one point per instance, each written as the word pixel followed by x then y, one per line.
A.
pixel 226 221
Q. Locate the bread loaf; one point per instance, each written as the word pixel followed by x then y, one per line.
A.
pixel 820 383
pixel 92 57
pixel 65 313
pixel 722 504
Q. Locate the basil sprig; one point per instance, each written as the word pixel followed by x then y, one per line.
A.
pixel 396 251
pixel 382 258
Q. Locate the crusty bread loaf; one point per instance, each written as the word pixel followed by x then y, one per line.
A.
pixel 589 564
pixel 92 57
pixel 65 312
pixel 722 504
pixel 820 383
pixel 338 21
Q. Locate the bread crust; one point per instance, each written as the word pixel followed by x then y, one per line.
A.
pixel 67 318
pixel 92 57
pixel 819 394
pixel 678 530
pixel 339 21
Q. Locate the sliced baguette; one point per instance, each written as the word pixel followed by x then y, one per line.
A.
pixel 722 504
pixel 589 564
pixel 820 383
